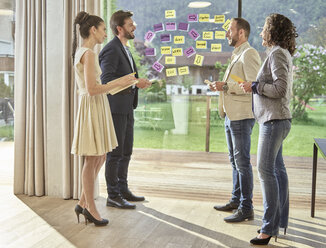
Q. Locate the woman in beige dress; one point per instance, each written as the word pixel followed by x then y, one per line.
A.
pixel 94 134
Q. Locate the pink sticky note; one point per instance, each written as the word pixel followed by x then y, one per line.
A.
pixel 150 52
pixel 149 36
pixel 190 51
pixel 192 18
pixel 158 67
pixel 194 34
pixel 165 37
pixel 170 26
pixel 158 27
pixel 183 26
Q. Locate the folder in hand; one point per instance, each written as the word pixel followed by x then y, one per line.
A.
pixel 117 89
pixel 236 78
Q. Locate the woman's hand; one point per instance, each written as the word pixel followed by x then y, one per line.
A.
pixel 246 86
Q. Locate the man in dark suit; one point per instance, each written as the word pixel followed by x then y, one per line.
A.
pixel 116 61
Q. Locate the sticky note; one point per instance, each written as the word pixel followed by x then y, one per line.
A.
pixel 170 26
pixel 201 44
pixel 150 51
pixel 207 35
pixel 166 50
pixel 170 72
pixel 192 18
pixel 158 67
pixel 170 60
pixel 170 14
pixel 190 51
pixel 226 25
pixel 149 36
pixel 165 37
pixel 219 18
pixel 216 47
pixel 203 17
pixel 183 26
pixel 183 70
pixel 194 34
pixel 158 27
pixel 179 39
pixel 236 78
pixel 177 52
pixel 199 59
pixel 220 35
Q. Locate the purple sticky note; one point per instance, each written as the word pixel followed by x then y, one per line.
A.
pixel 194 34
pixel 170 26
pixel 165 37
pixel 183 26
pixel 158 27
pixel 158 67
pixel 149 36
pixel 190 51
pixel 150 52
pixel 192 18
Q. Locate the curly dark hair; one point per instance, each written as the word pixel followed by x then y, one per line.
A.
pixel 281 32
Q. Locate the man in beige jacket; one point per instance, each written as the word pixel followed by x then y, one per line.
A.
pixel 236 107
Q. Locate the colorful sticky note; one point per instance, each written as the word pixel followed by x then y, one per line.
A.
pixel 170 72
pixel 177 52
pixel 170 60
pixel 220 35
pixel 199 59
pixel 201 44
pixel 183 70
pixel 166 50
pixel 150 51
pixel 207 35
pixel 170 26
pixel 165 37
pixel 190 51
pixel 192 18
pixel 203 17
pixel 158 27
pixel 236 78
pixel 158 67
pixel 170 14
pixel 179 39
pixel 216 47
pixel 183 26
pixel 149 36
pixel 226 25
pixel 194 34
pixel 219 18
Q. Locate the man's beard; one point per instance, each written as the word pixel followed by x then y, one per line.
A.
pixel 234 40
pixel 129 35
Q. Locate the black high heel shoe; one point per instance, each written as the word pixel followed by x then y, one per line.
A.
pixel 90 218
pixel 257 241
pixel 78 211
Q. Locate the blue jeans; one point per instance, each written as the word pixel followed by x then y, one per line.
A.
pixel 238 140
pixel 272 175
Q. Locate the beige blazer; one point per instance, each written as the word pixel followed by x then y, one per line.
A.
pixel 235 104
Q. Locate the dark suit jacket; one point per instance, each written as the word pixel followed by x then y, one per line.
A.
pixel 114 63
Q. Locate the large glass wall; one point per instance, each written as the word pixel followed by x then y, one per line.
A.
pixel 7 25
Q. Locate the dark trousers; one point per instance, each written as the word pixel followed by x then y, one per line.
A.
pixel 117 161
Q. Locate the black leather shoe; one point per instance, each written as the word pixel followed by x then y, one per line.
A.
pixel 129 196
pixel 240 215
pixel 119 202
pixel 227 207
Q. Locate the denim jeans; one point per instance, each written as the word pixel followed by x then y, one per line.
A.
pixel 238 140
pixel 272 175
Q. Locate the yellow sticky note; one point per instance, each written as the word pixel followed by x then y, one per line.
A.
pixel 226 25
pixel 170 60
pixel 219 18
pixel 170 14
pixel 220 35
pixel 203 17
pixel 207 35
pixel 179 39
pixel 236 78
pixel 183 70
pixel 216 47
pixel 170 72
pixel 166 50
pixel 199 59
pixel 201 44
pixel 177 52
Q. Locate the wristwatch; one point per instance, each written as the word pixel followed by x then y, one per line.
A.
pixel 225 87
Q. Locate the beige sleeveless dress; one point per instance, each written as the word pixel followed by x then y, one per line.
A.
pixel 94 133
